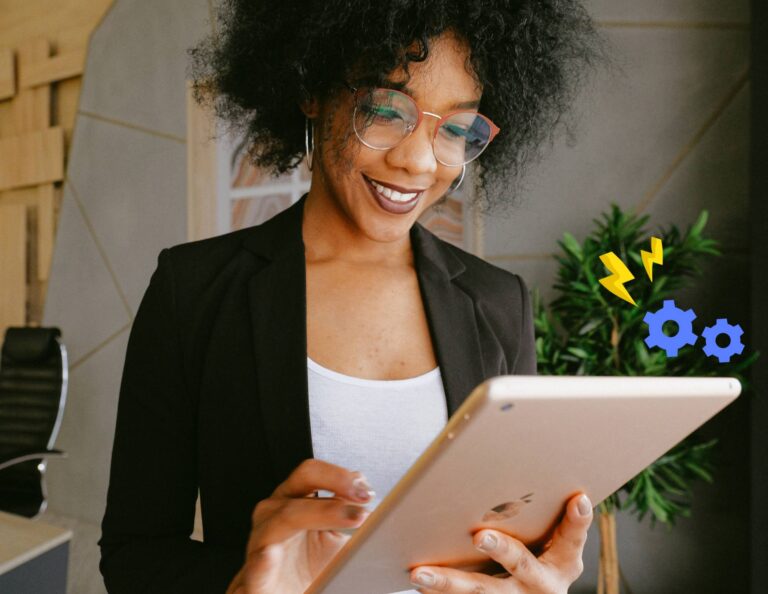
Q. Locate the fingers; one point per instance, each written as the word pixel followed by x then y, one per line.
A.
pixel 570 537
pixel 256 574
pixel 276 520
pixel 313 474
pixel 560 564
pixel 456 581
pixel 511 554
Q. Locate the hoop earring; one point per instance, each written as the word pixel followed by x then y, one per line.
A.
pixel 309 158
pixel 453 188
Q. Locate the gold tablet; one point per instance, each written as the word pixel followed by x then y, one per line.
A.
pixel 509 458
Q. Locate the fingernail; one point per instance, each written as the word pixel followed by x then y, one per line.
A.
pixel 424 578
pixel 488 542
pixel 584 505
pixel 362 490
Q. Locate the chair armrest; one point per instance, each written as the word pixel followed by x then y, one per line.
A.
pixel 23 456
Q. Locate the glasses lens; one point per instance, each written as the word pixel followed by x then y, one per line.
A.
pixel 462 138
pixel 384 117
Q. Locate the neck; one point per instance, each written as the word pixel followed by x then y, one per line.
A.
pixel 330 234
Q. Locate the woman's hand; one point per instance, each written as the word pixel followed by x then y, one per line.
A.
pixel 293 534
pixel 550 573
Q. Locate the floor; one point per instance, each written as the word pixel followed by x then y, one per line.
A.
pixel 83 575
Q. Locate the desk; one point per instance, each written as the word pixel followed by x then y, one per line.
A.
pixel 33 556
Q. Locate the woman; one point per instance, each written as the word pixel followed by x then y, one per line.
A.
pixel 320 352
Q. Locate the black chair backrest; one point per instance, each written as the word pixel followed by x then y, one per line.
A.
pixel 33 378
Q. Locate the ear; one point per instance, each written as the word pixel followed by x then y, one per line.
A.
pixel 310 107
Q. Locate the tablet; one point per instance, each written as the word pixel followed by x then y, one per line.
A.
pixel 509 457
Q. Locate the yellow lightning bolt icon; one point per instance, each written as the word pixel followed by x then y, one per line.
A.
pixel 655 256
pixel 620 274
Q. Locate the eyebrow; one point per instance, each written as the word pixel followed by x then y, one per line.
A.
pixel 399 86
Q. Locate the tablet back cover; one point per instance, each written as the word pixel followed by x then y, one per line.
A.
pixel 509 457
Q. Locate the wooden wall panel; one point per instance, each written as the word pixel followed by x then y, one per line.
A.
pixel 65 108
pixel 13 265
pixel 46 228
pixel 54 69
pixel 31 108
pixel 27 196
pixel 201 172
pixel 7 74
pixel 55 20
pixel 43 47
pixel 31 159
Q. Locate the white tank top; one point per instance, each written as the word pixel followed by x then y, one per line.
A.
pixel 379 427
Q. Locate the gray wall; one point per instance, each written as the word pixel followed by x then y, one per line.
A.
pixel 669 138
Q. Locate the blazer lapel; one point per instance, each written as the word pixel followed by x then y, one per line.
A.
pixel 450 316
pixel 277 296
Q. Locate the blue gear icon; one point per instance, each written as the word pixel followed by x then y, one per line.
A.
pixel 670 313
pixel 735 346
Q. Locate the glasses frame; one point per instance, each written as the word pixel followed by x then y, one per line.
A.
pixel 358 92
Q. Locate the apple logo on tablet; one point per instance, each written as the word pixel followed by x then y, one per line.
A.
pixel 506 510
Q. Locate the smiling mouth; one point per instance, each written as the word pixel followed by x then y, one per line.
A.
pixel 391 201
pixel 394 195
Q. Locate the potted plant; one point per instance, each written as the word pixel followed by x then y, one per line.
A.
pixel 588 331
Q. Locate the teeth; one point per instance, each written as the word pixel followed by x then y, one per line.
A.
pixel 392 194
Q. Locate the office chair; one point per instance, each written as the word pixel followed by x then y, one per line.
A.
pixel 33 392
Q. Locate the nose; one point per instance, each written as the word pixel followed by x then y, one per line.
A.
pixel 415 153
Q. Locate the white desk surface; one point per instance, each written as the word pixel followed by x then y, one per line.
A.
pixel 22 539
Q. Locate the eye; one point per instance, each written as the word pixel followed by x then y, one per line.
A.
pixel 381 114
pixel 453 131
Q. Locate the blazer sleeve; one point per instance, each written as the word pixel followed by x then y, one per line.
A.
pixel 525 361
pixel 149 516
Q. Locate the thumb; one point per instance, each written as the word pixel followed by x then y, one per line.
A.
pixel 261 568
pixel 571 534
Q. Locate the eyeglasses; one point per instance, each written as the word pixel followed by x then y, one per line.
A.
pixel 383 118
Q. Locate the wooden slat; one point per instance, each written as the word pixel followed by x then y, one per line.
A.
pixel 31 108
pixel 53 19
pixel 201 172
pixel 32 159
pixel 13 265
pixel 67 98
pixel 7 127
pixel 46 227
pixel 27 196
pixel 52 70
pixel 7 74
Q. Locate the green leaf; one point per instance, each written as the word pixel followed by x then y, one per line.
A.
pixel 700 223
pixel 590 325
pixel 581 353
pixel 571 245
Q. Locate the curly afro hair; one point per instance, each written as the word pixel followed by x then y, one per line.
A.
pixel 267 56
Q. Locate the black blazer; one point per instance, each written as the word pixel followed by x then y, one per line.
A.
pixel 214 390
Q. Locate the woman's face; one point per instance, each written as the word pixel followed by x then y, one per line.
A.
pixel 343 166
